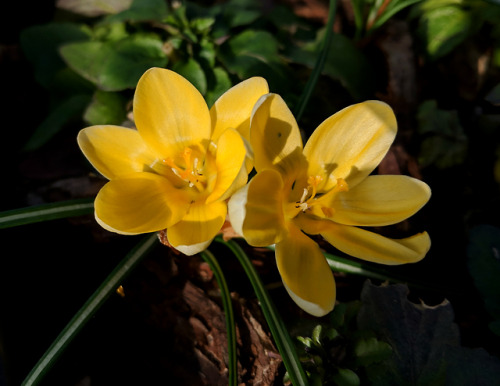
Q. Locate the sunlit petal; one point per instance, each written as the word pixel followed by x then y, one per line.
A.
pixel 234 107
pixel 229 162
pixel 139 203
pixel 367 245
pixel 264 221
pixel 193 249
pixel 114 150
pixel 351 143
pixel 170 113
pixel 379 200
pixel 200 225
pixel 275 138
pixel 305 273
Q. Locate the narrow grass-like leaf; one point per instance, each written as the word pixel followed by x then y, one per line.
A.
pixel 112 282
pixel 318 68
pixel 341 264
pixel 277 327
pixel 228 311
pixel 354 267
pixel 46 212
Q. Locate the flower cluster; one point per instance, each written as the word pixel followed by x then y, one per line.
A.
pixel 186 168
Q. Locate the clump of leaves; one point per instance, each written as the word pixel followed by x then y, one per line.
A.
pixel 442 25
pixel 337 352
pixel 91 63
pixel 385 339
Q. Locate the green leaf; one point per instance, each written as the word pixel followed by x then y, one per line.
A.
pixel 106 108
pixel 202 25
pixel 67 110
pixel 234 13
pixel 371 350
pixel 346 377
pixel 46 212
pixel 276 324
pixel 115 65
pixel 192 71
pixel 445 142
pixel 442 29
pixel 41 46
pixel 425 342
pixel 393 8
pixel 228 311
pixel 141 10
pixel 483 261
pixel 218 85
pixel 255 53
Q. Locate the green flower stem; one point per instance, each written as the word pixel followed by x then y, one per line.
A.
pixel 228 310
pixel 278 329
pixel 320 62
pixel 46 212
pixel 112 282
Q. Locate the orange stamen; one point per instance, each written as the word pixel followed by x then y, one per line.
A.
pixel 191 173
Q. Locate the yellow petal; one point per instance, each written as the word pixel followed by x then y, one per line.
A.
pixel 256 211
pixel 367 245
pixel 234 107
pixel 229 162
pixel 305 273
pixel 351 143
pixel 198 227
pixel 139 203
pixel 380 200
pixel 275 138
pixel 170 113
pixel 114 150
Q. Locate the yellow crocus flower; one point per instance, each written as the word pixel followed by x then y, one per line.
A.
pixel 179 167
pixel 325 188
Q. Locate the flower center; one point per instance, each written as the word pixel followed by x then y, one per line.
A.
pixel 306 201
pixel 188 168
pixel 311 200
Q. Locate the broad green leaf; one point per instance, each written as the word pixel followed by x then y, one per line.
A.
pixel 371 350
pixel 218 84
pixel 442 29
pixel 115 65
pixel 41 44
pixel 483 260
pixel 234 13
pixel 202 25
pixel 393 8
pixel 425 342
pixel 93 8
pixel 106 108
pixel 69 109
pixel 255 53
pixel 346 377
pixel 192 71
pixel 207 52
pixel 141 10
pixel 445 142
